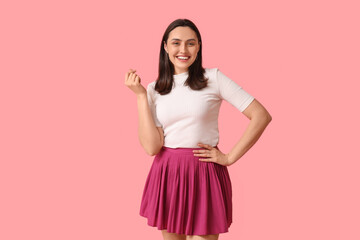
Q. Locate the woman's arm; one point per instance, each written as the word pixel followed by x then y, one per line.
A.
pixel 259 119
pixel 151 137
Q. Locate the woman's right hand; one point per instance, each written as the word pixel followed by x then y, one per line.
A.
pixel 133 81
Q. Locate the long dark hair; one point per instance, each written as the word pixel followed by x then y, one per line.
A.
pixel 196 79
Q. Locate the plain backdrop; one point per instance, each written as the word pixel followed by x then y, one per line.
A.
pixel 71 164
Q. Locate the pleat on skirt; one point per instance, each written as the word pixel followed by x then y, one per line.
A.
pixel 185 195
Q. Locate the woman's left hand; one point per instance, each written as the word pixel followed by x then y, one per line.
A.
pixel 213 155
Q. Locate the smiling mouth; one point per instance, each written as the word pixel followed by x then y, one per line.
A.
pixel 183 59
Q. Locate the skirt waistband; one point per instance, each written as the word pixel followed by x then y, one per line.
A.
pixel 182 150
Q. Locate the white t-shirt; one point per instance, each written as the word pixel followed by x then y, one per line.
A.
pixel 189 117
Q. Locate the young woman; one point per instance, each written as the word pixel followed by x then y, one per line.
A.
pixel 188 193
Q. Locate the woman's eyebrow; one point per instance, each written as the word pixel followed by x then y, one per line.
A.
pixel 177 39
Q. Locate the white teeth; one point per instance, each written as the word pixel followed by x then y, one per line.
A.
pixel 184 58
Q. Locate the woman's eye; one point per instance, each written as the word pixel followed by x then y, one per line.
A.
pixel 189 44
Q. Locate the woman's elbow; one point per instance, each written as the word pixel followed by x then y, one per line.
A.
pixel 153 151
pixel 267 117
pixel 263 116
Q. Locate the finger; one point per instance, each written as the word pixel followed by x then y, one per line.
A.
pixel 205 145
pixel 131 71
pixel 205 154
pixel 137 79
pixel 201 145
pixel 206 160
pixel 128 74
pixel 199 151
pixel 132 77
pixel 211 147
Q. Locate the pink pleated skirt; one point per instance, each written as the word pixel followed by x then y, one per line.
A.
pixel 185 195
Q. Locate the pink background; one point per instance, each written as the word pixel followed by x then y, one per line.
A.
pixel 72 166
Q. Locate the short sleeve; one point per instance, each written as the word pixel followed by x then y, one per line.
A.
pixel 152 106
pixel 232 92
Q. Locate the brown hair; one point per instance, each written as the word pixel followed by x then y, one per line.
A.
pixel 196 79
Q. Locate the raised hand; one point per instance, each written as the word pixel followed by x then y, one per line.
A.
pixel 133 81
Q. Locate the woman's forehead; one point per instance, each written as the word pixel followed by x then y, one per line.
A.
pixel 182 33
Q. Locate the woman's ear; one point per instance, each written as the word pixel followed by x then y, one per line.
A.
pixel 165 46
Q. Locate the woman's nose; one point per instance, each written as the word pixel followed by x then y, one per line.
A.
pixel 183 47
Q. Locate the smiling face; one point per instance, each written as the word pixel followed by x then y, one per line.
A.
pixel 182 42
